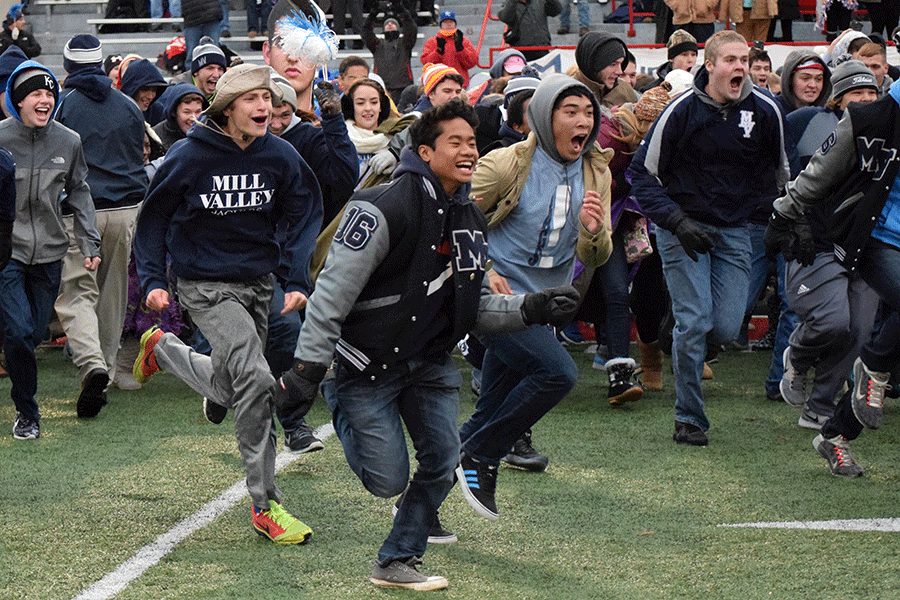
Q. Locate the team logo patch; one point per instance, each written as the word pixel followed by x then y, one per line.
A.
pixel 747 123
pixel 873 156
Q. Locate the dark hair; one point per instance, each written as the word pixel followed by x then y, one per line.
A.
pixel 629 58
pixel 347 100
pixel 575 90
pixel 515 112
pixel 352 61
pixel 428 128
pixel 757 55
pixel 857 44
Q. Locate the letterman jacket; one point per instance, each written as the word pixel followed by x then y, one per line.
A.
pixel 404 252
pixel 854 170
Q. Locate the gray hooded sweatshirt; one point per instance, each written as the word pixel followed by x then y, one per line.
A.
pixel 794 59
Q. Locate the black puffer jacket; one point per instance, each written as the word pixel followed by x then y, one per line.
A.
pixel 530 16
pixel 198 12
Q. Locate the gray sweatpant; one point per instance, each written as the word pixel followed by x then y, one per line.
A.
pixel 836 315
pixel 234 318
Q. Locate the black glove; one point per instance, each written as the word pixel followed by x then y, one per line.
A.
pixel 328 98
pixel 792 238
pixel 6 228
pixel 554 306
pixel 458 37
pixel 694 239
pixel 296 389
pixel 441 42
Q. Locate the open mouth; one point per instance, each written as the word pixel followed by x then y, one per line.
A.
pixel 578 142
pixel 736 83
pixel 465 165
pixel 260 120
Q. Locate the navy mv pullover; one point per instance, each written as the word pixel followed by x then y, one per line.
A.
pixel 718 163
pixel 214 207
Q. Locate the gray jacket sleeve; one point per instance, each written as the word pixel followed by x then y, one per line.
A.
pixel 498 312
pixel 827 169
pixel 78 195
pixel 361 243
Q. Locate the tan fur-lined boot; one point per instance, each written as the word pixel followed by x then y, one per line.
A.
pixel 651 366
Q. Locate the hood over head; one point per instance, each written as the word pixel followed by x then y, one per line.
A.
pixel 596 50
pixel 141 73
pixel 540 113
pixel 496 69
pixel 16 79
pixel 794 60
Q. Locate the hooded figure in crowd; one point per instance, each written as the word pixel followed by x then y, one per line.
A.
pixel 182 103
pixel 805 81
pixel 143 83
pixel 599 57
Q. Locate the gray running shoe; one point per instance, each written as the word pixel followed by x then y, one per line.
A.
pixel 837 452
pixel 810 419
pixel 399 574
pixel 794 385
pixel 867 398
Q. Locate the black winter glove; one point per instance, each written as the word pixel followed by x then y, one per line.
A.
pixel 441 42
pixel 328 98
pixel 694 239
pixel 6 228
pixel 792 238
pixel 296 389
pixel 458 39
pixel 554 306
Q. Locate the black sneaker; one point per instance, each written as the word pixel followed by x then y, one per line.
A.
pixel 837 452
pixel 622 387
pixel 478 482
pixel 811 419
pixel 93 394
pixel 524 456
pixel 437 534
pixel 25 428
pixel 689 434
pixel 302 440
pixel 214 413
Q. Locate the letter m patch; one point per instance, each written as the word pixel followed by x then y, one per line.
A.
pixel 469 249
pixel 873 156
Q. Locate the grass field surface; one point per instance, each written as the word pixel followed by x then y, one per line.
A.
pixel 621 512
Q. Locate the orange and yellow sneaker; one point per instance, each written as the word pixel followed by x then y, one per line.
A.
pixel 279 525
pixel 146 365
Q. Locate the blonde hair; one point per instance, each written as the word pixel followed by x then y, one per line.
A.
pixel 872 49
pixel 715 43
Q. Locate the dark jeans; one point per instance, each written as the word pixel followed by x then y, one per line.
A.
pixel 369 414
pixel 524 375
pixel 283 333
pixel 27 294
pixel 257 14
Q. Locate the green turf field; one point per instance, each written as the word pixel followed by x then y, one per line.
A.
pixel 622 512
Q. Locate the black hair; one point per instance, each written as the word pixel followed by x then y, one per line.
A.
pixel 757 55
pixel 629 58
pixel 352 61
pixel 515 112
pixel 575 90
pixel 428 128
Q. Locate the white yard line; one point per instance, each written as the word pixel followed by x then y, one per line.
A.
pixel 152 553
pixel 889 524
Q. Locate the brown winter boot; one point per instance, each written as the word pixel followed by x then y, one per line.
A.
pixel 651 366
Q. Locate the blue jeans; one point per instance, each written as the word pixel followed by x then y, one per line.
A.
pixel 523 376
pixel 880 268
pixel 223 24
pixel 192 36
pixel 257 14
pixel 27 294
pixel 708 299
pixel 584 13
pixel 156 8
pixel 614 278
pixel 368 415
pixel 282 341
pixel 759 264
pixel 787 322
